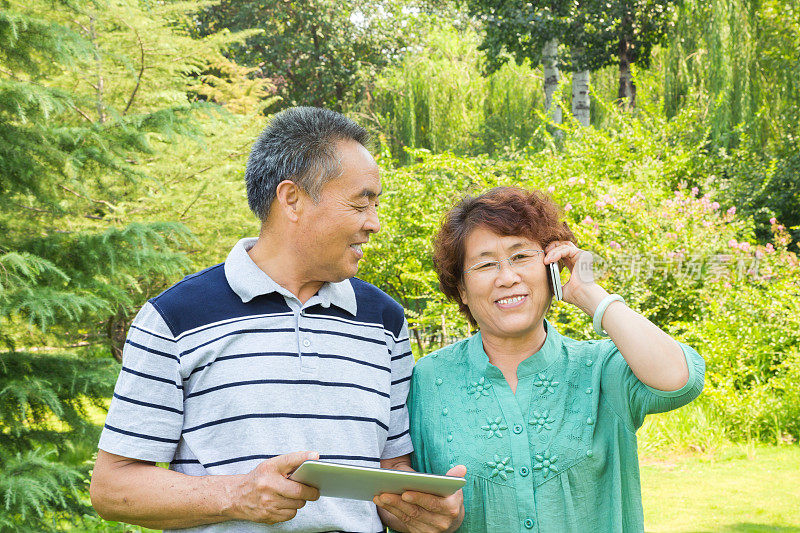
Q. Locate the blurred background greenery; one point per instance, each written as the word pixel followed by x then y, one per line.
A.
pixel 668 131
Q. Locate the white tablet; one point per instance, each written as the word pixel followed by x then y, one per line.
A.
pixel 364 483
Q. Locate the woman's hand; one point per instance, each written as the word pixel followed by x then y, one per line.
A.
pixel 581 289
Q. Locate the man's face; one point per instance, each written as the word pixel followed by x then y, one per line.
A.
pixel 334 229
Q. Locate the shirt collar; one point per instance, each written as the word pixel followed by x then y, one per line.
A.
pixel 249 281
pixel 536 362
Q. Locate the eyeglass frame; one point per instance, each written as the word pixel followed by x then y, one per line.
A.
pixel 499 262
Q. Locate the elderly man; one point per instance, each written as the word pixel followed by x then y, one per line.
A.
pixel 239 373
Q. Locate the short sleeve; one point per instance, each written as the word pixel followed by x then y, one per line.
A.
pixel 146 415
pixel 631 399
pixel 398 441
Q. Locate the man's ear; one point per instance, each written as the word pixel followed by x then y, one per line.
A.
pixel 288 199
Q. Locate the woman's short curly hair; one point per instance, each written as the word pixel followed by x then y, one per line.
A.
pixel 505 211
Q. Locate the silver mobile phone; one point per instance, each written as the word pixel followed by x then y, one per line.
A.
pixel 555 280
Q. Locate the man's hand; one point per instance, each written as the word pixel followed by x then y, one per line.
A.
pixel 266 495
pixel 418 512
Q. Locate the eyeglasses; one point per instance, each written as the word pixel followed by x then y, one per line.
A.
pixel 517 261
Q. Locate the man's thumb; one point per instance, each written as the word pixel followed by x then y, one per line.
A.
pixel 287 463
pixel 457 471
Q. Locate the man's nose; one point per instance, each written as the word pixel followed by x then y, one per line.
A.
pixel 372 224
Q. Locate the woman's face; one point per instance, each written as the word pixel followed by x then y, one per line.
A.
pixel 510 302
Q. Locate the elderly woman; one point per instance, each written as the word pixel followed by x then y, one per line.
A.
pixel 546 425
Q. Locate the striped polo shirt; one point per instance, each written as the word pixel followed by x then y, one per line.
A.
pixel 227 368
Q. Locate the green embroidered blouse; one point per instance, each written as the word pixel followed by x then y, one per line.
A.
pixel 560 454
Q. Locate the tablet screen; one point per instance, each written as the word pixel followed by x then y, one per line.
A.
pixel 364 483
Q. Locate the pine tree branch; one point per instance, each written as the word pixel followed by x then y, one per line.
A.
pixel 141 68
pixel 79 195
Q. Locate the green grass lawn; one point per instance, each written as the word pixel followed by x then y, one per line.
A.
pixel 737 489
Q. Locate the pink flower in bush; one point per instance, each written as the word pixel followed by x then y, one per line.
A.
pixel 568 207
pixel 707 223
pixel 731 211
pixel 733 243
pixel 769 248
pixel 759 254
pixel 551 189
pixel 587 220
pixel 679 225
pixel 773 220
pixel 615 245
pixel 572 181
pixel 714 205
pixel 744 246
pixel 581 181
pixel 727 285
pixel 599 204
pixel 671 235
pixel 695 190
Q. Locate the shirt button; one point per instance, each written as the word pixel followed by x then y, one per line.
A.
pixel 450 437
pixel 589 421
pixel 589 390
pixel 523 471
pixel 517 429
pixel 528 523
pixel 589 362
pixel 438 381
pixel 306 343
pixel 589 453
pixel 445 411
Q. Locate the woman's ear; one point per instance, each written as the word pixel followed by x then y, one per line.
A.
pixel 462 293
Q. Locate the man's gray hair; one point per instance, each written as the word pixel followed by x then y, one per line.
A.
pixel 298 144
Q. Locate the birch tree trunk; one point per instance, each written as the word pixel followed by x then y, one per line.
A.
pixel 580 97
pixel 627 89
pixel 551 77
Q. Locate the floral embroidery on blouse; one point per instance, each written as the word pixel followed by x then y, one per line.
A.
pixel 541 420
pixel 479 388
pixel 544 462
pixel 500 467
pixel 546 384
pixel 494 426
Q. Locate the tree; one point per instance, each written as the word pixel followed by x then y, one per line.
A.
pixel 85 93
pixel 526 31
pixel 593 33
pixel 320 52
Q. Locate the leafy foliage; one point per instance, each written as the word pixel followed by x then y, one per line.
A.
pixel 320 53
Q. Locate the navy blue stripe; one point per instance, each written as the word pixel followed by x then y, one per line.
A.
pixel 185 462
pixel 265 457
pixel 140 435
pixel 243 356
pixel 239 319
pixel 290 354
pixel 239 332
pixel 352 359
pixel 133 326
pixel 397 436
pixel 149 376
pixel 396 407
pixel 287 415
pixel 396 357
pixel 401 380
pixel 287 382
pixel 350 323
pixel 340 334
pixel 146 404
pixel 151 350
